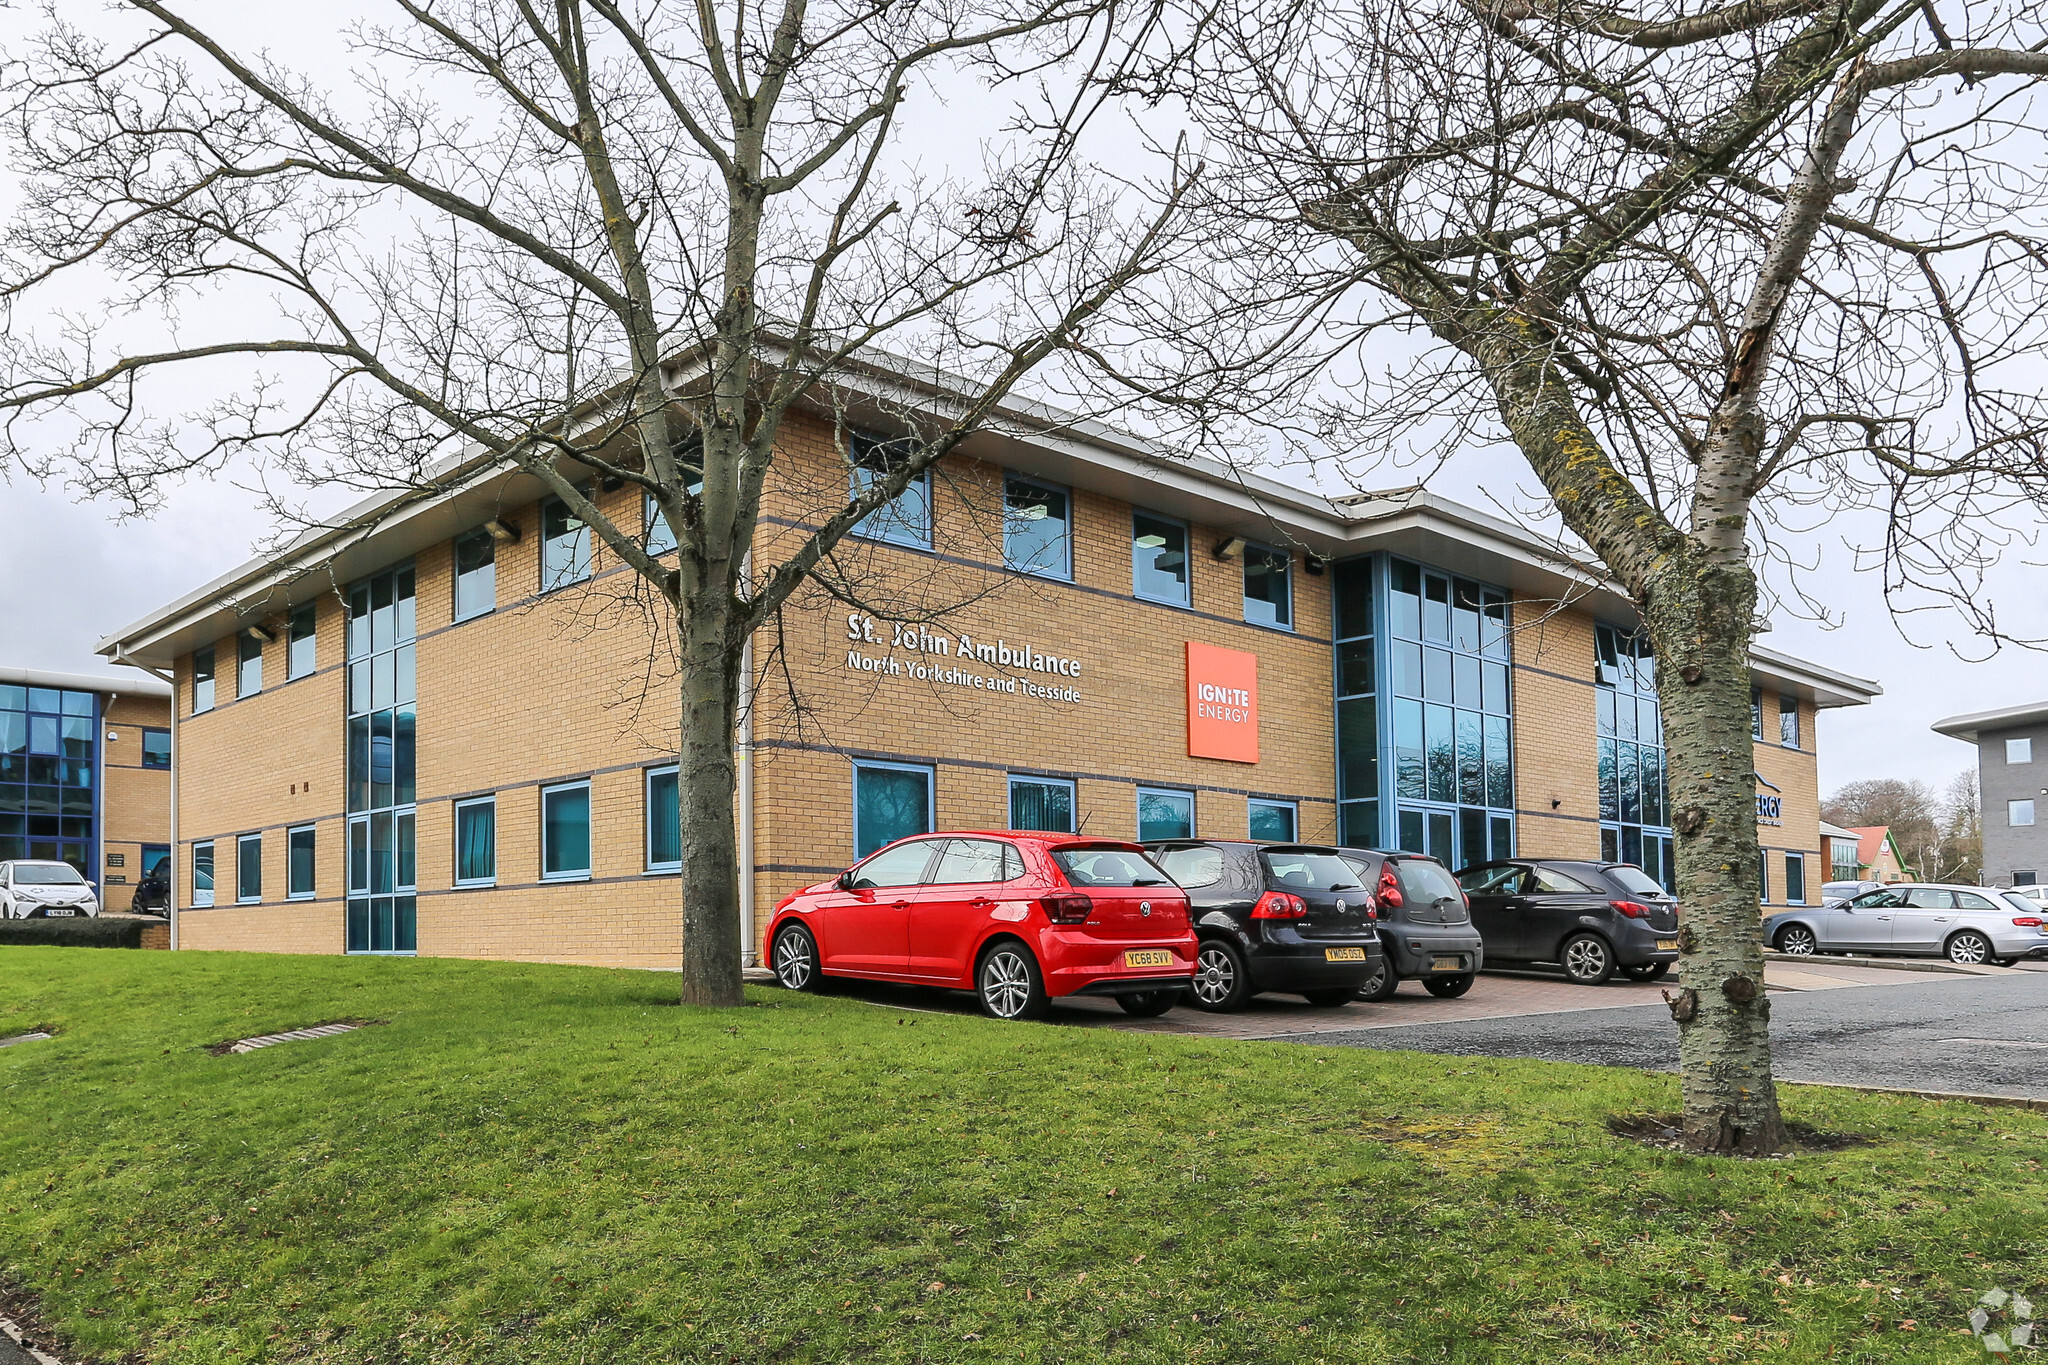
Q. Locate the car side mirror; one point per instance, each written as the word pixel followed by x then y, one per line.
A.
pixel 844 881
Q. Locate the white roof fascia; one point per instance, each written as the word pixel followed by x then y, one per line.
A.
pixel 1966 727
pixel 142 685
pixel 1828 687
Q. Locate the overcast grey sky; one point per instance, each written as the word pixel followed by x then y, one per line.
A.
pixel 69 573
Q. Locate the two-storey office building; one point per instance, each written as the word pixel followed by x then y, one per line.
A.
pixel 85 774
pixel 2012 787
pixel 445 726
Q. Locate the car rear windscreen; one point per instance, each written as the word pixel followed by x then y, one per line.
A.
pixel 58 874
pixel 1310 871
pixel 1108 867
pixel 1193 867
pixel 1635 881
pixel 1425 881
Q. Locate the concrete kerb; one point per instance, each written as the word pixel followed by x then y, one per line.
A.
pixel 14 1346
pixel 1889 964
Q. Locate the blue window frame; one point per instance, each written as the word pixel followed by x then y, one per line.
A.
pixel 664 820
pixel 907 518
pixel 1273 822
pixel 1045 803
pixel 1165 814
pixel 1159 559
pixel 890 801
pixel 476 841
pixel 1635 815
pixel 49 774
pixel 1268 586
pixel 382 624
pixel 1038 529
pixel 302 641
pixel 565 832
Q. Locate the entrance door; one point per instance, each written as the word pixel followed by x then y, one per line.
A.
pixel 865 927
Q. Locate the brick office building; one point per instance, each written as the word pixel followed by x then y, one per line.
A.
pixel 85 774
pixel 431 729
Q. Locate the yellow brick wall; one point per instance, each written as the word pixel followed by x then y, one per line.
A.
pixel 1557 776
pixel 1797 775
pixel 135 802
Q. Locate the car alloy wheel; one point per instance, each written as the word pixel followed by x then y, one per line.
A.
pixel 1647 971
pixel 1796 940
pixel 796 959
pixel 1383 982
pixel 1219 977
pixel 1970 948
pixel 1009 983
pixel 1587 959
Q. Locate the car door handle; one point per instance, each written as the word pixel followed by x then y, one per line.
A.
pixel 982 903
pixel 899 905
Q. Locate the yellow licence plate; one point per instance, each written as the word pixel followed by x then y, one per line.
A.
pixel 1148 957
pixel 1343 954
pixel 1667 945
pixel 1446 964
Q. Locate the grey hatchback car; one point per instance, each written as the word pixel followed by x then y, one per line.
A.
pixel 1591 918
pixel 1426 931
pixel 1965 924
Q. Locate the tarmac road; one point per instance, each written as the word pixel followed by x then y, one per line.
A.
pixel 1979 1035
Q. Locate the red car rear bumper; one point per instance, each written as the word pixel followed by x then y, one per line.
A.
pixel 1077 963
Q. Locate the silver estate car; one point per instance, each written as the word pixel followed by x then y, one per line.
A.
pixel 1967 924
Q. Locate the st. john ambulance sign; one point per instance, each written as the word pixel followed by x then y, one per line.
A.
pixel 1223 704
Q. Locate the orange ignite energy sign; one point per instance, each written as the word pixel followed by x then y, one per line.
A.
pixel 1223 704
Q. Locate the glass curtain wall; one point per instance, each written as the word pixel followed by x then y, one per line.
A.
pixel 1422 675
pixel 1635 806
pixel 48 772
pixel 382 723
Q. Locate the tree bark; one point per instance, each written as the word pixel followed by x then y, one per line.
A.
pixel 706 787
pixel 1699 615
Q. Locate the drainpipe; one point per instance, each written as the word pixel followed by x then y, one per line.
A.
pixel 171 892
pixel 744 756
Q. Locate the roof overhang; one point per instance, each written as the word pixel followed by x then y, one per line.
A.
pixel 1827 687
pixel 1966 727
pixel 135 685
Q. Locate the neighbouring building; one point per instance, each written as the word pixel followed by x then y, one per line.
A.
pixel 1839 849
pixel 1878 855
pixel 85 774
pixel 434 726
pixel 2012 788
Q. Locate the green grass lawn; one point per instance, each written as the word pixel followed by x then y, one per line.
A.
pixel 552 1164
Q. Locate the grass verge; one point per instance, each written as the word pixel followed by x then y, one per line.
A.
pixel 548 1164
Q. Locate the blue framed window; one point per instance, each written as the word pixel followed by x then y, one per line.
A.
pixel 1635 802
pixel 664 820
pixel 248 869
pixel 1045 803
pixel 202 680
pixel 565 832
pixel 301 642
pixel 476 574
pixel 1273 822
pixel 1443 686
pixel 382 624
pixel 299 863
pixel 476 841
pixel 1038 528
pixel 907 518
pixel 890 801
pixel 49 773
pixel 156 748
pixel 564 546
pixel 1165 814
pixel 248 664
pixel 1795 879
pixel 1268 587
pixel 1159 559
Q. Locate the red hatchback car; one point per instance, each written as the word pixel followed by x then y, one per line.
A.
pixel 1017 917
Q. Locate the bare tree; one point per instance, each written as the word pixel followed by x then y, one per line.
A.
pixel 1962 830
pixel 1718 273
pixel 1906 808
pixel 612 238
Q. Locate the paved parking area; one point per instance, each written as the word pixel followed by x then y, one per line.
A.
pixel 1502 995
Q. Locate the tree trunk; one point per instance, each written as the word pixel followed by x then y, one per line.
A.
pixel 706 786
pixel 1699 614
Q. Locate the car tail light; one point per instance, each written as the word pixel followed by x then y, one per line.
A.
pixel 1071 908
pixel 1390 887
pixel 1280 905
pixel 1633 909
pixel 2028 921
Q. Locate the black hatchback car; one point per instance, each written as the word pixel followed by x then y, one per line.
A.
pixel 1426 933
pixel 1272 917
pixel 1591 918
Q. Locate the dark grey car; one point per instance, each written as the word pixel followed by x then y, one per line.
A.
pixel 1426 932
pixel 1592 918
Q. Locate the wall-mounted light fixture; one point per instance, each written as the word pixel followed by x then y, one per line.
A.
pixel 1231 548
pixel 506 531
pixel 1314 564
pixel 257 631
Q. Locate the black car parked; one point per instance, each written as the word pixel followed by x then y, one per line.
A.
pixel 1272 917
pixel 1426 933
pixel 1591 918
